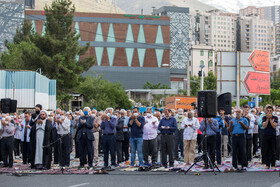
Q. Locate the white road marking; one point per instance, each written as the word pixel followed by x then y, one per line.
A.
pixel 79 185
pixel 276 185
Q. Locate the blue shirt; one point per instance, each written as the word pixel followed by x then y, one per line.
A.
pixel 220 122
pixel 237 128
pixel 137 132
pixel 211 129
pixel 171 123
pixel 109 127
pixel 225 129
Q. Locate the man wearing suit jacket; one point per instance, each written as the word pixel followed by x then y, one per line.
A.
pixel 85 138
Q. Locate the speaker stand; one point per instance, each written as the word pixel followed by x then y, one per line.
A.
pixel 205 153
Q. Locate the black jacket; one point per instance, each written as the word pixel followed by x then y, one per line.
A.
pixel 119 128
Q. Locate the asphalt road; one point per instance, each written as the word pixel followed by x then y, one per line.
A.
pixel 146 179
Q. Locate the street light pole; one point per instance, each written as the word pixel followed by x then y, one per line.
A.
pixel 188 80
pixel 202 78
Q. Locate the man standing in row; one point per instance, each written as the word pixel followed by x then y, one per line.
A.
pixel 136 123
pixel 63 130
pixel 179 135
pixel 108 126
pixel 85 138
pixel 238 127
pixel 150 137
pixel 41 137
pixel 7 146
pixel 269 141
pixel 25 138
pixel 211 127
pixel 167 127
pixel 190 125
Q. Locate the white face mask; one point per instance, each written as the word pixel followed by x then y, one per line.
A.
pixel 93 115
pixel 135 114
pixel 277 113
pixel 149 114
pixel 62 117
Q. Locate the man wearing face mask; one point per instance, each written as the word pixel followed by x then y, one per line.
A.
pixel 270 123
pixel 179 135
pixel 167 127
pixel 150 137
pixel 136 123
pixel 63 130
pixel 190 125
pixel 108 126
pixel 7 141
pixel 85 138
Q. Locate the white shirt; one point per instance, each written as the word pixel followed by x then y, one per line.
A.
pixel 150 128
pixel 190 133
pixel 63 128
pixel 252 123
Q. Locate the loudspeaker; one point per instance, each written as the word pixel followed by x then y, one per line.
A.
pixel 224 100
pixel 207 103
pixel 5 105
pixel 13 106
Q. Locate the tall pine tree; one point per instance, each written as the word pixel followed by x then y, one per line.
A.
pixel 54 52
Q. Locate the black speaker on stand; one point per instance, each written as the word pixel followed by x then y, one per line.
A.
pixel 13 106
pixel 5 105
pixel 207 103
pixel 207 108
pixel 224 100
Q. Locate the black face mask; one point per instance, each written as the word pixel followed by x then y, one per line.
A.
pixel 37 112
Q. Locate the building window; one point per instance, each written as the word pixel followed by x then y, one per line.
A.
pixel 210 53
pixel 210 64
pixel 201 62
pixel 201 53
pixel 274 68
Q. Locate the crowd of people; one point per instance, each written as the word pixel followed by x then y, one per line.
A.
pixel 44 138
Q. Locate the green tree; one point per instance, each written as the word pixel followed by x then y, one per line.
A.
pixel 210 81
pixel 149 85
pixel 195 85
pixel 54 52
pixel 101 93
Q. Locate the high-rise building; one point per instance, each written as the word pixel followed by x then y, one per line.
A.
pixel 272 13
pixel 255 33
pixel 218 30
pixel 252 11
pixel 277 39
